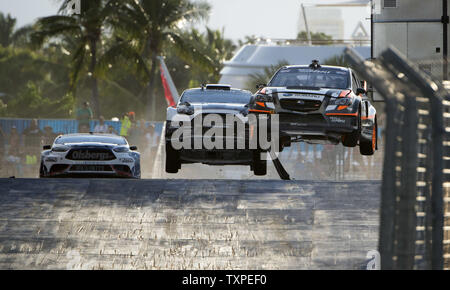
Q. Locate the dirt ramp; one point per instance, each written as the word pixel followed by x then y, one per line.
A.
pixel 186 224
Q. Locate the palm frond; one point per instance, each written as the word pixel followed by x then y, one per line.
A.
pixel 122 49
pixel 77 64
pixel 53 26
pixel 197 11
pixel 130 95
pixel 189 53
pixel 264 76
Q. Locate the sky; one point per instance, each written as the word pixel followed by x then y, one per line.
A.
pixel 238 18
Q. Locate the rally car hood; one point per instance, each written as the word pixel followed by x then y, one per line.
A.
pixel 289 92
pixel 90 145
pixel 210 108
pixel 219 107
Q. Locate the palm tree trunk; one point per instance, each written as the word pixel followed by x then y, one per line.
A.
pixel 94 81
pixel 151 101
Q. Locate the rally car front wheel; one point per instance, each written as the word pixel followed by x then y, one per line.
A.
pixel 259 165
pixel 42 171
pixel 173 163
pixel 351 140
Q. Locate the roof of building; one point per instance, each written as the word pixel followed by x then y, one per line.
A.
pixel 260 56
pixel 251 59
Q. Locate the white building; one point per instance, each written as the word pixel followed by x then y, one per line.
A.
pixel 327 20
pixel 252 59
pixel 416 28
pixel 342 19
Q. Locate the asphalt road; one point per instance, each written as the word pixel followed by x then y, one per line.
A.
pixel 186 224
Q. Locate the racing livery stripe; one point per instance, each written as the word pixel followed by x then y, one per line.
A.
pixel 260 111
pixel 342 114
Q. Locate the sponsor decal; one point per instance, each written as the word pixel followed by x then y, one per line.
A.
pixel 305 96
pixel 337 120
pixel 86 155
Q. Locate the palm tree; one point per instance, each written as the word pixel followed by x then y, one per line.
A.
pixel 337 60
pixel 85 30
pixel 7 25
pixel 318 38
pixel 264 77
pixel 145 27
pixel 216 47
pixel 9 35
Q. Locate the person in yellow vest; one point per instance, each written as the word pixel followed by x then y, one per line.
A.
pixel 31 160
pixel 126 124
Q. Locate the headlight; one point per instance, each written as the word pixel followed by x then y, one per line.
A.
pixel 121 149
pixel 343 101
pixel 60 149
pixel 174 124
pixel 185 110
pixel 51 159
pixel 264 98
pixel 335 94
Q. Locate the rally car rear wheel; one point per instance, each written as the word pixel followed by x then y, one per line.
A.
pixel 368 147
pixel 259 166
pixel 173 163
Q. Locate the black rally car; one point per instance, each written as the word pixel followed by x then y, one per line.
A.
pixel 319 104
pixel 202 116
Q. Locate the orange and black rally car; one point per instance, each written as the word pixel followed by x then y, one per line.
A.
pixel 319 104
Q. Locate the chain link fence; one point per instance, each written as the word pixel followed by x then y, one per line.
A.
pixel 414 215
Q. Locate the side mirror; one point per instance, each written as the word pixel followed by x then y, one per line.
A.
pixel 47 147
pixel 260 86
pixel 133 148
pixel 361 91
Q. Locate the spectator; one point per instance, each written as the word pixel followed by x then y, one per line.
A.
pixel 111 130
pixel 2 146
pixel 152 144
pixel 142 130
pixel 33 137
pixel 126 125
pixel 134 134
pixel 152 137
pixel 84 116
pixel 49 136
pixel 13 157
pixel 33 142
pixel 132 116
pixel 101 127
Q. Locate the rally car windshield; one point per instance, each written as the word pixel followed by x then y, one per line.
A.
pixel 90 138
pixel 216 96
pixel 332 78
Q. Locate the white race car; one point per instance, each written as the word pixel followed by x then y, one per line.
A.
pixel 90 155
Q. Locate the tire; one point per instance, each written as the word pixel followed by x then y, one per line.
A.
pixel 138 171
pixel 259 165
pixel 173 163
pixel 41 171
pixel 351 140
pixel 368 147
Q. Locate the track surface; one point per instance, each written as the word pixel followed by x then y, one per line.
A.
pixel 186 224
